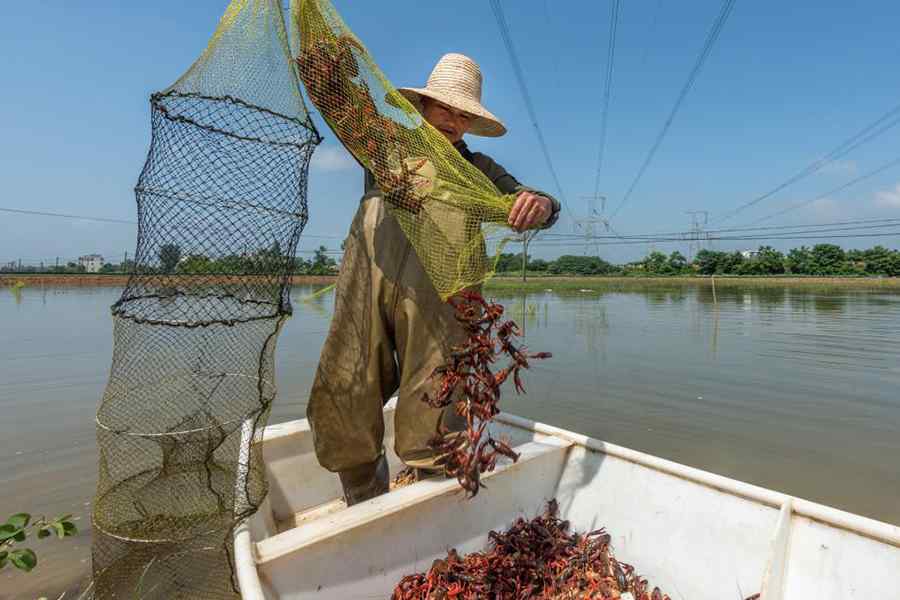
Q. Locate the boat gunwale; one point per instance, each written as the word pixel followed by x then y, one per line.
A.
pixel 865 526
pixel 834 517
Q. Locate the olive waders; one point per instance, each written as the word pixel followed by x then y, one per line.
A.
pixel 389 332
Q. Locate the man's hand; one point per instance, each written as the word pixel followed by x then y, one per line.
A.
pixel 530 210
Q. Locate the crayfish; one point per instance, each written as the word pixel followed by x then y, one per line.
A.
pixel 537 559
pixel 468 383
pixel 331 71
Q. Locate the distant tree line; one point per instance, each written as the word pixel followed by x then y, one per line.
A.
pixel 564 265
pixel 821 259
pixel 818 260
pixel 171 259
pixel 260 262
pixel 67 267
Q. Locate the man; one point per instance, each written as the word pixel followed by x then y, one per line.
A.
pixel 390 328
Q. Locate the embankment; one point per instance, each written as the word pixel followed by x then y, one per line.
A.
pixel 112 280
pixel 562 283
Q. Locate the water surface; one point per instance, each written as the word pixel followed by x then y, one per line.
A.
pixel 789 388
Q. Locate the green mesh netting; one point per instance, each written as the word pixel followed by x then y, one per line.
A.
pixel 221 205
pixel 444 204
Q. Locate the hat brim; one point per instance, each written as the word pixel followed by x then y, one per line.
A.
pixel 483 123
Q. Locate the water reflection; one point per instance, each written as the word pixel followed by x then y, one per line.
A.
pixel 531 312
pixel 666 296
pixel 778 386
pixel 592 325
pixel 16 291
pixel 830 304
pixel 826 303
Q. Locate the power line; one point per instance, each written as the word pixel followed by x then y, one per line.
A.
pixel 681 240
pixel 868 133
pixel 607 85
pixel 41 213
pixel 526 97
pixel 803 228
pixel 66 216
pixel 840 188
pixel 711 38
pixel 841 229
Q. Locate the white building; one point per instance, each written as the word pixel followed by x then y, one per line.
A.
pixel 749 253
pixel 92 263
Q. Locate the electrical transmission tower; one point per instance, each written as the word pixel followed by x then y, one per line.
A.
pixel 697 235
pixel 588 226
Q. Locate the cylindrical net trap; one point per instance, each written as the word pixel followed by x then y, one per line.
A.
pixel 221 205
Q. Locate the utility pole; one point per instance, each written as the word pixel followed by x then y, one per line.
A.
pixel 697 232
pixel 527 236
pixel 593 218
pixel 125 262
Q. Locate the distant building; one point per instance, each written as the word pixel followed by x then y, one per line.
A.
pixel 92 263
pixel 749 253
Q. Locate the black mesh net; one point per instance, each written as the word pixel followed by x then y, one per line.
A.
pixel 221 205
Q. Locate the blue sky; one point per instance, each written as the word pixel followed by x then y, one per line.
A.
pixel 786 82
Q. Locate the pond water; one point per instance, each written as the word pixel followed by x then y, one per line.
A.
pixel 785 387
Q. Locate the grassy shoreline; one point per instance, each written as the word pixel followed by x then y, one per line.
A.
pixel 563 283
pixel 513 283
pixel 113 279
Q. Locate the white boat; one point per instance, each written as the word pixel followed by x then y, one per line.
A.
pixel 696 535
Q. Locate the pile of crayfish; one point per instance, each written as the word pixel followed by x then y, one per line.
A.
pixel 468 384
pixel 537 559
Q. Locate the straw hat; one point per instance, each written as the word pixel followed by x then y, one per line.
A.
pixel 456 81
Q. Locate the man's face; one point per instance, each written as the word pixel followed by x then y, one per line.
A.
pixel 451 122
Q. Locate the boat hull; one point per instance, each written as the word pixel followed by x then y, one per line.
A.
pixel 694 534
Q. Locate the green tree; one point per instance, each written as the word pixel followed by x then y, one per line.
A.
pixel 799 261
pixel 194 264
pixel 169 255
pixel 580 265
pixel 880 261
pixel 72 267
pixel 322 263
pixel 731 263
pixel 656 263
pixel 538 264
pixel 507 262
pixel 232 264
pixel 677 262
pixel 302 266
pixel 827 259
pixel 707 261
pixel 769 261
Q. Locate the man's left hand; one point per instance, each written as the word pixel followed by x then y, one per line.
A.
pixel 529 210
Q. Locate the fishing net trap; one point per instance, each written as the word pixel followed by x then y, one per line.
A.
pixel 443 203
pixel 221 206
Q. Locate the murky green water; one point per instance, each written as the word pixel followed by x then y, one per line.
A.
pixel 791 389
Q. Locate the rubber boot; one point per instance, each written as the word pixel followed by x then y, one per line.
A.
pixel 423 474
pixel 365 482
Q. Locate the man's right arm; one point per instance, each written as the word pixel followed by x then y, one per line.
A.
pixel 507 184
